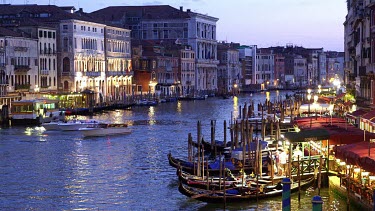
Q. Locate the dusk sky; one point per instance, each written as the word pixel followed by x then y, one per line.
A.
pixel 307 23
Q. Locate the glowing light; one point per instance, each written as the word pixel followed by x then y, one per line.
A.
pixel 365 173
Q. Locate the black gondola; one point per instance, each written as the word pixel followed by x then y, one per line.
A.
pixel 213 168
pixel 237 194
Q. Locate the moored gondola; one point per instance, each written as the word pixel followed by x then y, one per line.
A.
pixel 237 194
pixel 213 168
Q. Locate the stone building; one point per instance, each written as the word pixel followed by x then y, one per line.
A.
pixel 21 62
pixel 119 73
pixel 247 57
pixel 165 23
pixel 229 69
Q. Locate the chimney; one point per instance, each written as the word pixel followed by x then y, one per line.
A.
pixel 188 10
pixel 181 8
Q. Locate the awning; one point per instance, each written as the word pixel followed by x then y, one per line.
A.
pixel 357 154
pixel 307 135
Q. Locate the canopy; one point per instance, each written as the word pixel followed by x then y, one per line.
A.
pixel 307 135
pixel 357 154
pixel 336 130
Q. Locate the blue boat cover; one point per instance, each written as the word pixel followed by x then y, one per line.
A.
pixel 216 165
pixel 253 146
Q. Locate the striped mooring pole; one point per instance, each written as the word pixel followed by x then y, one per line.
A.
pixel 286 194
pixel 317 203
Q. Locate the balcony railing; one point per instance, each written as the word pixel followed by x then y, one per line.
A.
pixel 19 48
pixel 47 52
pixel 21 68
pixel 119 73
pixel 22 86
pixel 44 72
pixel 92 74
pixel 67 74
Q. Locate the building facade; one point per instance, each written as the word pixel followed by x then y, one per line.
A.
pixel 247 57
pixel 187 71
pixel 266 68
pixel 118 68
pixel 229 69
pixel 165 23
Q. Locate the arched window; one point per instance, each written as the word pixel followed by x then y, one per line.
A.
pixel 66 85
pixel 66 64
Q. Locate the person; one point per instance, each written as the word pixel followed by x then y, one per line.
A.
pixel 283 161
pixel 277 163
pixel 297 152
pixel 269 165
pixel 306 151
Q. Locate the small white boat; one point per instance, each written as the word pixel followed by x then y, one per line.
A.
pixel 75 125
pixel 105 130
pixel 51 125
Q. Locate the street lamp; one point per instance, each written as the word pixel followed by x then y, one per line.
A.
pixel 331 111
pixel 319 89
pixel 309 98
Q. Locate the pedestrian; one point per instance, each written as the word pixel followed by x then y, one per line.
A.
pixel 283 161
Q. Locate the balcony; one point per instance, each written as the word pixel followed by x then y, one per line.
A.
pixel 21 68
pixel 48 52
pixel 22 87
pixel 67 74
pixel 44 72
pixel 22 49
pixel 119 73
pixel 92 74
pixel 208 61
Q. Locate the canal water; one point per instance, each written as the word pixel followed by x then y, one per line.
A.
pixel 52 170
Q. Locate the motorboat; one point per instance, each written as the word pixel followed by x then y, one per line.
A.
pixel 103 129
pixel 75 125
pixel 51 125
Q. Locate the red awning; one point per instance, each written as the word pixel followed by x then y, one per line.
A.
pixel 357 154
pixel 338 130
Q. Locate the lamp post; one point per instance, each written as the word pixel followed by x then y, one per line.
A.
pixel 309 98
pixel 319 89
pixel 315 104
pixel 331 111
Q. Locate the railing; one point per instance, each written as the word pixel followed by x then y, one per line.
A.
pixel 22 86
pixel 67 74
pixel 44 72
pixel 21 68
pixel 18 48
pixel 47 52
pixel 309 165
pixel 92 74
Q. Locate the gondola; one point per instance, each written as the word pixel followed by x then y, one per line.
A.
pixel 238 194
pixel 217 182
pixel 231 163
pixel 213 168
